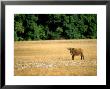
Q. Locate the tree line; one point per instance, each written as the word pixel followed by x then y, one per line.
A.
pixel 54 26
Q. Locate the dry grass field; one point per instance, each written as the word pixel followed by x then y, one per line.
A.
pixel 51 58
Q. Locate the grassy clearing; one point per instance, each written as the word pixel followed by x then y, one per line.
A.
pixel 51 58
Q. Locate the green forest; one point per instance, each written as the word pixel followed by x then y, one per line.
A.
pixel 54 26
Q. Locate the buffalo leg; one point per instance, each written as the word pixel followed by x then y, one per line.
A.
pixel 72 57
pixel 82 56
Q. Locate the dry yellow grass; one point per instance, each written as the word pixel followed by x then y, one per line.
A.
pixel 51 58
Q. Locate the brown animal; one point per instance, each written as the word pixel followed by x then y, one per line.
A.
pixel 76 52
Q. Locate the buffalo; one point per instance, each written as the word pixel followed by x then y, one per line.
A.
pixel 76 52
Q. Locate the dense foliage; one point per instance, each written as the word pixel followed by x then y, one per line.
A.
pixel 54 26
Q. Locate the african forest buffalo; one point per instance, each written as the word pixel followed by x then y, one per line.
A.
pixel 76 52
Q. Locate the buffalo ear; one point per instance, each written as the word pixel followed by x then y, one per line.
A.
pixel 69 48
pixel 73 48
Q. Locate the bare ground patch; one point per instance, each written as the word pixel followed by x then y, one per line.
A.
pixel 51 58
